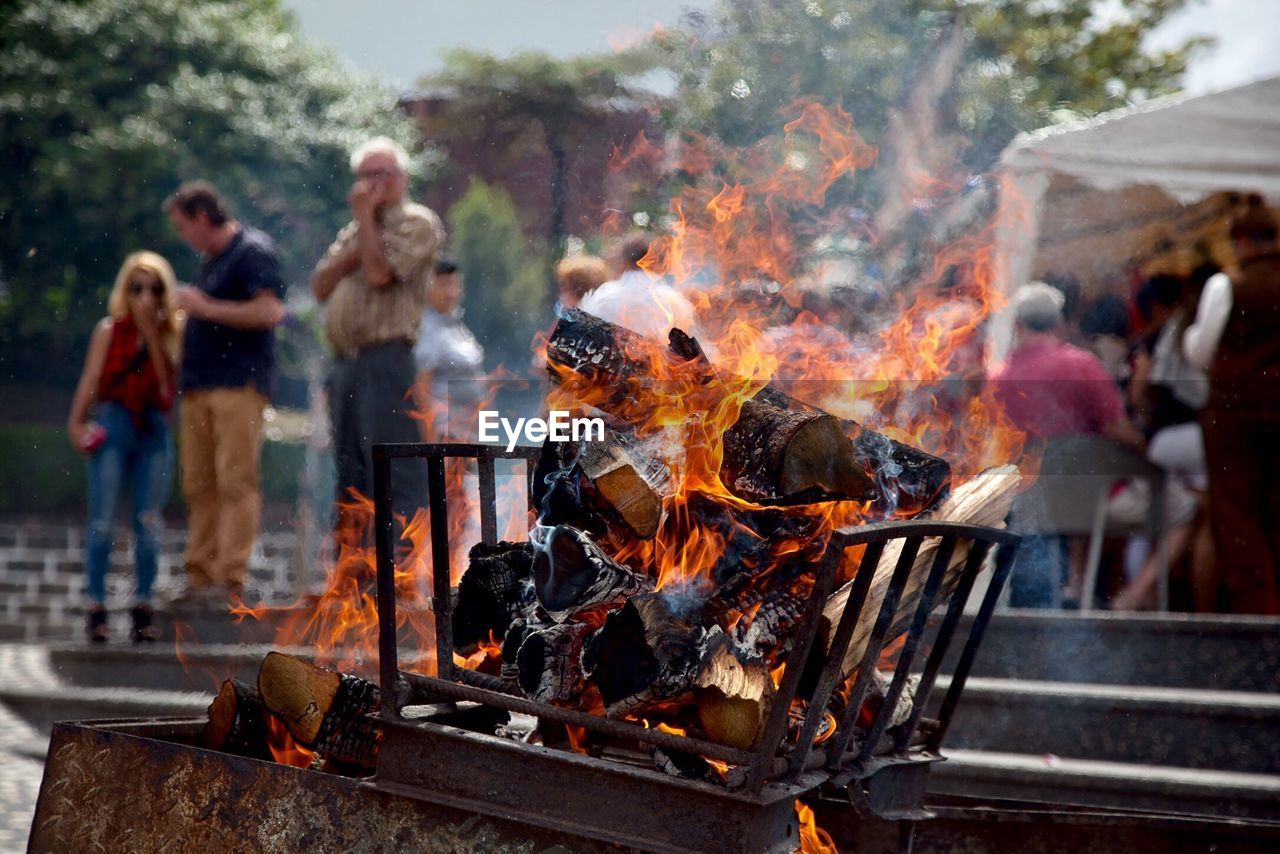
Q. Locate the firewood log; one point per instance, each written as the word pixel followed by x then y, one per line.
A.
pixel 647 651
pixel 237 722
pixel 325 711
pixel 491 592
pixel 770 456
pixel 630 487
pixel 984 500
pixel 733 696
pixel 571 572
pixel 790 456
pixel 549 664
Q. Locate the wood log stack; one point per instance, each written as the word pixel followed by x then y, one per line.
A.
pixel 585 630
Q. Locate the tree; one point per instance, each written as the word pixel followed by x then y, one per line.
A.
pixel 1020 62
pixel 532 98
pixel 503 272
pixel 106 106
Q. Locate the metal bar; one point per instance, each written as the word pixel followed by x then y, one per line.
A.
pixel 902 571
pixel 942 641
pixel 775 728
pixel 488 501
pixel 438 503
pixel 1004 563
pixel 831 672
pixel 385 566
pixel 430 689
pixel 940 563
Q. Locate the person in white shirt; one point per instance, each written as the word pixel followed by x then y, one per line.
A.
pixel 637 299
pixel 1235 337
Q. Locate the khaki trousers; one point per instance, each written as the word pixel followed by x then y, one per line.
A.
pixel 220 443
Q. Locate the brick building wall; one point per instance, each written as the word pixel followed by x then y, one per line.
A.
pixel 42 577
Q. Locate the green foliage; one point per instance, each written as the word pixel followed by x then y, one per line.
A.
pixel 503 272
pixel 106 106
pixel 737 67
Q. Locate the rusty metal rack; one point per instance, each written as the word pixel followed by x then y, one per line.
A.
pixel 882 769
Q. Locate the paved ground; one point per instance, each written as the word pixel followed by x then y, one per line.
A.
pixel 21 748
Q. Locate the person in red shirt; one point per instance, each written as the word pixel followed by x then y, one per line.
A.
pixel 120 420
pixel 1052 389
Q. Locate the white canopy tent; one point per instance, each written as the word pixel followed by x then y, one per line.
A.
pixel 1094 197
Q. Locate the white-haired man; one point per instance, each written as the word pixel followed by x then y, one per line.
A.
pixel 1052 389
pixel 374 280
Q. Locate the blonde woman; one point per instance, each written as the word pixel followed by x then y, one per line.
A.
pixel 120 420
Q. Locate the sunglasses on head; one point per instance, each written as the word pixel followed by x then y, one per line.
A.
pixel 136 288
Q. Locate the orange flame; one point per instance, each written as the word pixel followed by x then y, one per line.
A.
pixel 813 839
pixel 284 749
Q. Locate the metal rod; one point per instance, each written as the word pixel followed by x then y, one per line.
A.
pixel 941 562
pixel 831 672
pixel 1004 563
pixel 488 501
pixel 840 741
pixel 438 503
pixel 775 728
pixel 427 689
pixel 736 777
pixel 385 567
pixel 942 641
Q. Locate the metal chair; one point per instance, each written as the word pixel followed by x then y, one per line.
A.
pixel 1070 497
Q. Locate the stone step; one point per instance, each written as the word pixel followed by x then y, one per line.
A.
pixel 1223 730
pixel 42 707
pixel 1085 782
pixel 1214 652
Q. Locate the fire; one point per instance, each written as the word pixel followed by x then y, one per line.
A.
pixel 284 749
pixel 813 839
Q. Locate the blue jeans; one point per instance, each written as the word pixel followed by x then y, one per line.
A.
pixel 141 459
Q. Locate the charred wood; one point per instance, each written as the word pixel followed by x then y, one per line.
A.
pixel 237 722
pixel 549 664
pixel 646 651
pixel 491 592
pixel 732 695
pixel 571 573
pixel 325 711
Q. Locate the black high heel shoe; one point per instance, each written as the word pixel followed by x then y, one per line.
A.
pixel 143 629
pixel 97 627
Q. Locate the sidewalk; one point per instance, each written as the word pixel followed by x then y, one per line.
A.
pixel 21 747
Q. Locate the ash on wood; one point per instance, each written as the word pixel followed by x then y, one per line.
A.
pixel 630 487
pixel 646 651
pixel 549 664
pixel 571 572
pixel 733 696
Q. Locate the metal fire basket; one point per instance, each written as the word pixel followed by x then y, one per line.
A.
pixel 881 769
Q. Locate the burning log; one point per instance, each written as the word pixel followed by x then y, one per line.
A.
pixel 733 697
pixel 491 592
pixel 549 664
pixel 325 711
pixel 631 489
pixel 984 500
pixel 571 573
pixel 645 652
pixel 770 456
pixel 237 722
pixel 790 456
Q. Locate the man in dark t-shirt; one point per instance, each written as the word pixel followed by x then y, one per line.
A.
pixel 227 362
